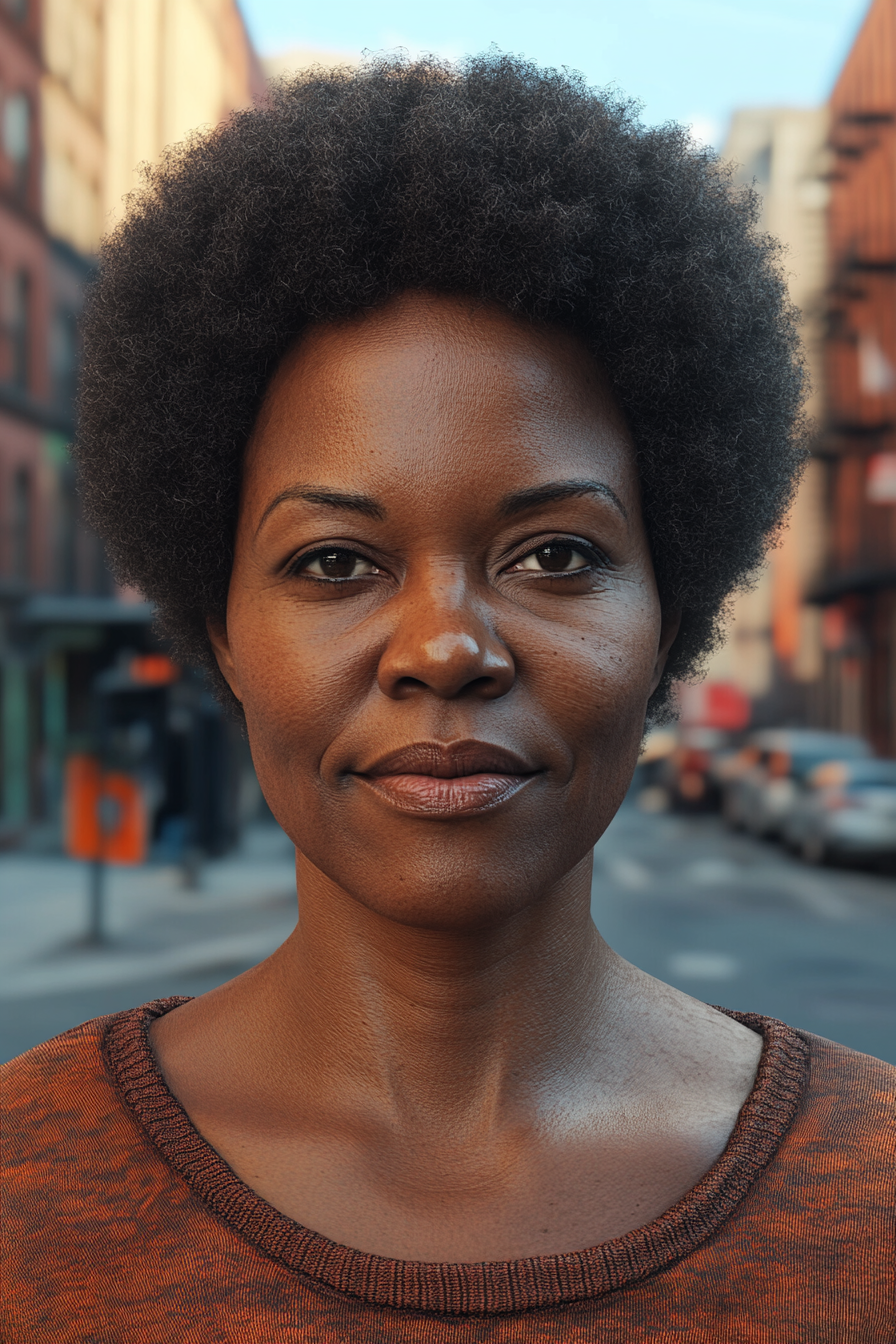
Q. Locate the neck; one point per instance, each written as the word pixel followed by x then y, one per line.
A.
pixel 435 1023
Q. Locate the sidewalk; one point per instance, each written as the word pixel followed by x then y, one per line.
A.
pixel 243 909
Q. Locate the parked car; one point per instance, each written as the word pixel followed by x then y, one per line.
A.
pixel 762 784
pixel 690 772
pixel 846 809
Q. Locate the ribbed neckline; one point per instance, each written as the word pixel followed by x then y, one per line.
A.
pixel 465 1289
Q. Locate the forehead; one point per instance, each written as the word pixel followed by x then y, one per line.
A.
pixel 441 392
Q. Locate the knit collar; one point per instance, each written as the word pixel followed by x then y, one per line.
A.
pixel 465 1289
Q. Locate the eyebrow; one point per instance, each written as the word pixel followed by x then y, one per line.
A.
pixel 331 499
pixel 552 491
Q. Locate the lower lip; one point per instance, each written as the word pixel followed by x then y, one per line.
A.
pixel 434 797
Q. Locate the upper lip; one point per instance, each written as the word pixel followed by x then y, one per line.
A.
pixel 450 760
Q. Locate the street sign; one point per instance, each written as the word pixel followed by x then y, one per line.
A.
pixel 105 813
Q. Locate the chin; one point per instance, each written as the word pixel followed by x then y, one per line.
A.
pixel 466 909
pixel 450 888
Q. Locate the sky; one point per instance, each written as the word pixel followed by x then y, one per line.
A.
pixel 693 61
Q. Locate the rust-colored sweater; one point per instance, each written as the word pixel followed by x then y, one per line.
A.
pixel 123 1226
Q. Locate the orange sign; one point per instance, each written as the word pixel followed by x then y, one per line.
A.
pixel 105 813
pixel 153 669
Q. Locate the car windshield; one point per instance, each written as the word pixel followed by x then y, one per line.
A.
pixel 803 762
pixel 853 775
pixel 871 772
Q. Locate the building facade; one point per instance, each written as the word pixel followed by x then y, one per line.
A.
pixel 857 591
pixel 774 649
pixel 89 89
pixel 814 641
pixel 27 424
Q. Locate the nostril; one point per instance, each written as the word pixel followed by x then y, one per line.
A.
pixel 487 686
pixel 408 686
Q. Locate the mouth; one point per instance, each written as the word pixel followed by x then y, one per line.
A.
pixel 439 780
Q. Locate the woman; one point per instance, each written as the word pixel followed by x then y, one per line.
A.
pixel 439 411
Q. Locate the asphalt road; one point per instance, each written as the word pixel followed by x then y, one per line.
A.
pixel 730 920
pixel 738 922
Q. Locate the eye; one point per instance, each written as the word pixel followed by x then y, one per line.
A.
pixel 557 557
pixel 334 563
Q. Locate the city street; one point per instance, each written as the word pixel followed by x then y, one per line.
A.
pixel 738 922
pixel 726 918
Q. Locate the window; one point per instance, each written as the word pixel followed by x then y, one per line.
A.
pixel 17 137
pixel 64 357
pixel 17 8
pixel 18 329
pixel 21 523
pixel 67 530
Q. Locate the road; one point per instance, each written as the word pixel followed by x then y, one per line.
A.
pixel 738 922
pixel 726 918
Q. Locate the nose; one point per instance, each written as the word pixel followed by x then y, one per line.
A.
pixel 443 645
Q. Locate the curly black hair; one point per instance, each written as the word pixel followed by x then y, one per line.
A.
pixel 491 178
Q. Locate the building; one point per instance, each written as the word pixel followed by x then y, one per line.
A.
pixel 169 67
pixel 28 418
pixel 774 648
pixel 89 89
pixel 857 591
pixel 815 640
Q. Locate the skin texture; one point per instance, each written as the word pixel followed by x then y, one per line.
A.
pixel 445 1061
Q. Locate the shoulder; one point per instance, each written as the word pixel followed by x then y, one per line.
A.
pixel 831 1164
pixel 831 1182
pixel 71 1147
pixel 849 1103
pixel 48 1088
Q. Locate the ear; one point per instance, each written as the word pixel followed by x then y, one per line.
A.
pixel 671 624
pixel 217 633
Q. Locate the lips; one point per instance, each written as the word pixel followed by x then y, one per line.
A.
pixel 436 779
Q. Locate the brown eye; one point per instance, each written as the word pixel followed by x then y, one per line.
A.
pixel 556 558
pixel 335 564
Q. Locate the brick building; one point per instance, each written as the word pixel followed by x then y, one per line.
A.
pixel 857 592
pixel 773 652
pixel 88 89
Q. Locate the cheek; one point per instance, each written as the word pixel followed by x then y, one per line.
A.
pixel 599 679
pixel 299 690
pixel 595 687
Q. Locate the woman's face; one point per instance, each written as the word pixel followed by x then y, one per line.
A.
pixel 443 623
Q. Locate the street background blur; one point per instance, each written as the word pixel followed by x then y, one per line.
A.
pixel 754 862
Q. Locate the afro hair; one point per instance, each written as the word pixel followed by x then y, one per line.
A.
pixel 495 179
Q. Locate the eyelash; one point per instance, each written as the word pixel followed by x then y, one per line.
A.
pixel 595 558
pixel 294 568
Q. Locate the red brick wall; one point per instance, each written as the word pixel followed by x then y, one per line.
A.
pixel 862 243
pixel 23 252
pixel 860 370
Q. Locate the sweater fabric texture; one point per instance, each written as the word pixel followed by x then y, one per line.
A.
pixel 123 1226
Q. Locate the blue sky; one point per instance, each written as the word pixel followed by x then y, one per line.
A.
pixel 691 60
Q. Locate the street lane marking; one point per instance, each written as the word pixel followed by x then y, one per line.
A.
pixel 817 897
pixel 703 965
pixel 629 873
pixel 707 872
